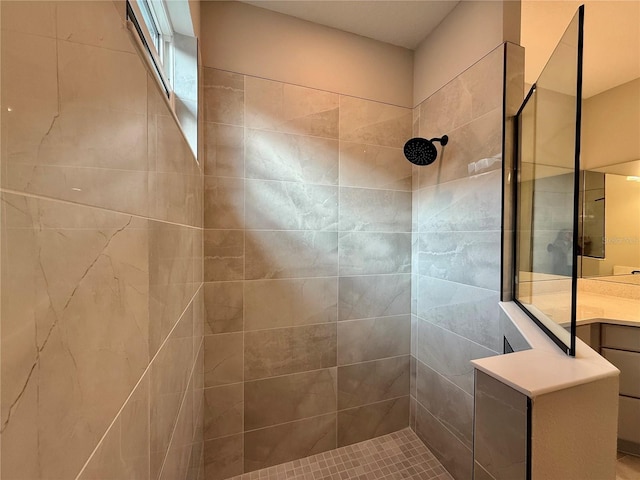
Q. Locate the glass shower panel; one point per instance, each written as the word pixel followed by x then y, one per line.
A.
pixel 547 191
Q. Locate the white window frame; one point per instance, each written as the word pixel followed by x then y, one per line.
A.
pixel 159 48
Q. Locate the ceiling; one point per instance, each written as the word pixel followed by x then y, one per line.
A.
pixel 401 23
pixel 612 29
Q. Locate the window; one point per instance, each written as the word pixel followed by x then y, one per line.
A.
pixel 152 23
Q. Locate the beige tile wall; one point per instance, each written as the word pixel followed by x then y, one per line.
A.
pixel 307 266
pixel 101 221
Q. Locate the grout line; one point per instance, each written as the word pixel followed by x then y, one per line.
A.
pixel 94 207
pixel 142 376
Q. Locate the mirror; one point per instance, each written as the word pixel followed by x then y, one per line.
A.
pixel 610 228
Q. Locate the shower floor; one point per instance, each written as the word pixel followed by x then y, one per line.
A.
pixel 394 456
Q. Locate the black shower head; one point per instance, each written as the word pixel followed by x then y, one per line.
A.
pixel 421 151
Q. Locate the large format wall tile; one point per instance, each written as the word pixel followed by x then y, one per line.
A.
pixel 366 253
pixel 476 91
pixel 124 452
pixel 365 209
pixel 452 406
pixel 373 338
pixel 362 423
pixel 370 296
pixel 468 311
pixel 222 359
pixel 223 457
pixel 35 18
pixel 224 203
pixel 169 381
pixel 369 122
pixel 447 448
pixel 272 205
pixel 281 351
pixel 294 158
pixel 223 150
pixel 291 109
pixel 467 204
pixel 223 255
pixel 303 301
pixel 282 443
pixel 74 298
pixel 224 97
pixel 449 354
pixel 290 254
pixel 472 258
pixel 371 382
pixel 290 397
pixel 224 307
pixel 374 166
pixel 223 411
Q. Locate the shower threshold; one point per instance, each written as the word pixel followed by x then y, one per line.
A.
pixel 397 455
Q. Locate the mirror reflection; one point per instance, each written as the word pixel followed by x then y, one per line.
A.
pixel 610 185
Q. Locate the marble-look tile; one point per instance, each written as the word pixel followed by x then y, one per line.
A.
pixel 118 190
pixel 451 452
pixel 224 97
pixel 176 198
pixel 170 147
pixel 362 423
pixel 223 411
pixel 290 441
pixel 223 150
pixel 286 398
pixel 289 350
pixel 294 158
pixel 500 429
pixel 479 139
pixel 224 203
pixel 480 473
pixel 370 382
pixel 470 95
pixel 290 109
pixel 222 359
pixel 365 121
pixel 223 457
pixel 368 253
pixel 224 307
pixel 223 255
pixel 33 18
pixel 468 204
pixel 373 296
pixel 413 380
pixel 275 205
pixel 374 166
pixel 449 354
pixel 171 282
pixel 302 301
pixel 291 254
pixel 29 86
pixel 452 406
pixel 169 383
pixel 92 23
pixel 373 338
pixel 74 298
pixel 471 258
pixel 414 334
pixel 413 409
pixel 123 452
pixel 470 312
pixel 369 210
pixel 176 463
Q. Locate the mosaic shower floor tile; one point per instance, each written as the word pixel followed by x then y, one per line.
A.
pixel 395 456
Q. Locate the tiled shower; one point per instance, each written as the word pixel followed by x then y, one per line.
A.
pixel 296 289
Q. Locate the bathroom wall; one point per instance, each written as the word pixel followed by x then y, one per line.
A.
pixel 456 257
pixel 243 38
pixel 307 271
pixel 101 294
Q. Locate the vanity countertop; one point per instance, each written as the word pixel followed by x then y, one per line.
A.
pixel 593 307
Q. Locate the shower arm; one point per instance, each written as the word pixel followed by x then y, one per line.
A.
pixel 442 140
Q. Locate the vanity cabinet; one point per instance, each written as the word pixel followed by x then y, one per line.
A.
pixel 620 345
